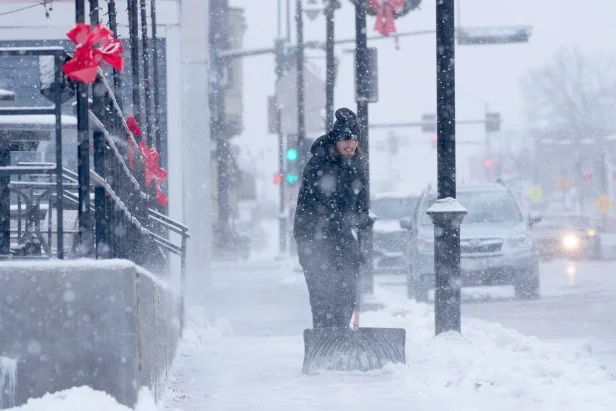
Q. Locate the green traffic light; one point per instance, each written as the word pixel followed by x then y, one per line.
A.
pixel 292 154
pixel 292 178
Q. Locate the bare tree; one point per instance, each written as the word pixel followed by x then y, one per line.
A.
pixel 574 93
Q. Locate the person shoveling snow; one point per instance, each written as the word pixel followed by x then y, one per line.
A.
pixel 332 202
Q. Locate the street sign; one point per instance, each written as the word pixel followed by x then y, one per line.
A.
pixel 272 115
pixel 536 194
pixel 493 35
pixel 603 204
pixel 563 184
pixel 367 87
pixel 286 98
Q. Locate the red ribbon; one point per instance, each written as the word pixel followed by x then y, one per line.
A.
pixel 134 128
pixel 385 10
pixel 153 171
pixel 151 159
pixel 93 46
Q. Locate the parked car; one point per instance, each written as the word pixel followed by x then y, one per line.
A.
pixel 390 240
pixel 567 235
pixel 496 245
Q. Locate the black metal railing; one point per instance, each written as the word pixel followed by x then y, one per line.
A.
pixel 102 208
pixel 40 201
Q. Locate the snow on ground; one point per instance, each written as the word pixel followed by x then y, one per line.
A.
pixel 488 367
pixel 85 398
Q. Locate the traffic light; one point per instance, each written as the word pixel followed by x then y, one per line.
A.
pixel 428 123
pixel 292 155
pixel 493 121
pixel 434 140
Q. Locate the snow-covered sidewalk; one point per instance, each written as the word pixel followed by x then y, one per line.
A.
pixel 246 361
pixel 243 350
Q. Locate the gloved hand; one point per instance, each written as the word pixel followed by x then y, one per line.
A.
pixel 365 222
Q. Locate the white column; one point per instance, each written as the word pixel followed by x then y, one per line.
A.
pixel 195 141
pixel 174 131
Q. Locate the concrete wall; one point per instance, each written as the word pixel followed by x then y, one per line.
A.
pixel 106 324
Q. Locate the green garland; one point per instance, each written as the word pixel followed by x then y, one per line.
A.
pixel 409 5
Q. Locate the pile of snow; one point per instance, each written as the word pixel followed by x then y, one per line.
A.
pixel 85 398
pixel 488 360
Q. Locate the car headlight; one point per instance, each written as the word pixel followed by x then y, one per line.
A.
pixel 425 245
pixel 591 233
pixel 521 241
pixel 570 242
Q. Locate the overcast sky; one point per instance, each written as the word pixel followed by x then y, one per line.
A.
pixel 489 73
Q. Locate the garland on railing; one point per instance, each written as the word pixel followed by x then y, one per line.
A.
pixel 93 46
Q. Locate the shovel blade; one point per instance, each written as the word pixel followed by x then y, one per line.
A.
pixel 345 349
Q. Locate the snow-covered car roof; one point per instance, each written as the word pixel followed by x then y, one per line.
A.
pixel 394 194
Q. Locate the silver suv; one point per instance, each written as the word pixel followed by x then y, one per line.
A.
pixel 390 240
pixel 495 243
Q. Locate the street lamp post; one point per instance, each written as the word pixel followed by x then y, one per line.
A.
pixel 362 87
pixel 447 213
pixel 301 121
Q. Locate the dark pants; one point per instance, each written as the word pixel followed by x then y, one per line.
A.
pixel 332 276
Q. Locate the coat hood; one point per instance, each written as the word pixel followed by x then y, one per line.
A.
pixel 321 146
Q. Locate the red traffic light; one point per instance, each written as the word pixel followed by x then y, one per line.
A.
pixel 277 179
pixel 488 163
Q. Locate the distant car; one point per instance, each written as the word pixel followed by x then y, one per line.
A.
pixel 496 245
pixel 391 241
pixel 567 235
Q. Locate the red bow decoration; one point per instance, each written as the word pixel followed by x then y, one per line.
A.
pixel 385 10
pixel 134 128
pixel 93 46
pixel 153 171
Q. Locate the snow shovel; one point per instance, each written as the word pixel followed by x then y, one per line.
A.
pixel 352 349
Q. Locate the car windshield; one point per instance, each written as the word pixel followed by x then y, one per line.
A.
pixel 393 208
pixel 565 221
pixel 483 207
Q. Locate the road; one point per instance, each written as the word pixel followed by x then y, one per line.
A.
pixel 577 304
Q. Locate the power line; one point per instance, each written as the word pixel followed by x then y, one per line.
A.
pixel 43 3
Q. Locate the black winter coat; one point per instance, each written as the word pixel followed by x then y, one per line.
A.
pixel 333 198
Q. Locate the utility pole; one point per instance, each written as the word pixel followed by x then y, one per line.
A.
pixel 301 120
pixel 282 209
pixel 362 86
pixel 447 213
pixel 488 147
pixel 218 41
pixel 330 64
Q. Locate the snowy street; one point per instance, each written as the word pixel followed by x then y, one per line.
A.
pixel 243 350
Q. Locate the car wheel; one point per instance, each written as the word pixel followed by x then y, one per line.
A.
pixel 417 288
pixel 526 284
pixel 595 253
